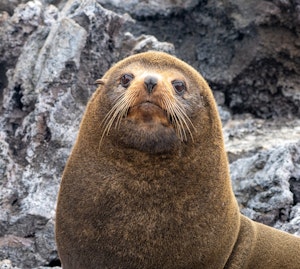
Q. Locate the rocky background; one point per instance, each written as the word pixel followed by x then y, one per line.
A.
pixel 52 51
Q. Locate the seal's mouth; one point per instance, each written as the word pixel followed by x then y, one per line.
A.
pixel 148 112
pixel 146 104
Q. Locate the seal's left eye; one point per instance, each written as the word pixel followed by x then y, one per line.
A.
pixel 179 86
pixel 125 80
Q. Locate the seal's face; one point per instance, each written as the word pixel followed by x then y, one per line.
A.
pixel 150 107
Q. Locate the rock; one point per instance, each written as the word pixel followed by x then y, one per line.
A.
pixel 245 135
pixel 149 8
pixel 5 264
pixel 10 5
pixel 144 43
pixel 266 186
pixel 293 224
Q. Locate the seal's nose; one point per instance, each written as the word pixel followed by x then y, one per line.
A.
pixel 150 83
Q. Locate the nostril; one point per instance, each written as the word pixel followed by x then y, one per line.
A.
pixel 150 83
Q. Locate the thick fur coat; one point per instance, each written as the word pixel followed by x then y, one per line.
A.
pixel 121 206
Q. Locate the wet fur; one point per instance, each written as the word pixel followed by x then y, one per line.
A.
pixel 126 206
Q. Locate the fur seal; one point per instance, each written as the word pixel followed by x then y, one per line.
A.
pixel 147 184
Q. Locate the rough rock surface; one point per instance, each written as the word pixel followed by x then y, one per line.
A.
pixel 149 8
pixel 267 184
pixel 51 52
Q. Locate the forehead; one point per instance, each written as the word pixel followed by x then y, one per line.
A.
pixel 141 70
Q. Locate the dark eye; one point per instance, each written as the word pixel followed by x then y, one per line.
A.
pixel 125 80
pixel 179 86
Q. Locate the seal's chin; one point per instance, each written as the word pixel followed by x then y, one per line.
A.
pixel 147 128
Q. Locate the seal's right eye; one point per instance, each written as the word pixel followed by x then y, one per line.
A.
pixel 179 86
pixel 126 79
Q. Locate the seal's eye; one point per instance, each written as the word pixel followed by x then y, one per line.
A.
pixel 179 86
pixel 125 80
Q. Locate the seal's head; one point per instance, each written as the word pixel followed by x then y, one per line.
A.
pixel 151 100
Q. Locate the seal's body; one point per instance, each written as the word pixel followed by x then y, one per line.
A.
pixel 147 184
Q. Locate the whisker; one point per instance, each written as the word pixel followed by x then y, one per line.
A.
pixel 185 119
pixel 113 109
pixel 120 108
pixel 122 111
pixel 179 125
pixel 174 117
pixel 110 117
pixel 127 102
pixel 181 121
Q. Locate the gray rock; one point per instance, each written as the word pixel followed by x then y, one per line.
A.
pixel 132 45
pixel 147 8
pixel 266 186
pixel 293 224
pixel 245 135
pixel 5 264
pixel 147 42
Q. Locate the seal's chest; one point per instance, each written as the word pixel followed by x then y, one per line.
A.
pixel 151 238
pixel 143 222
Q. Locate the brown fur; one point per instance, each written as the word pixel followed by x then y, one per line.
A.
pixel 126 203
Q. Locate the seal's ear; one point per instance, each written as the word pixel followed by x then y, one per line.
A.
pixel 100 81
